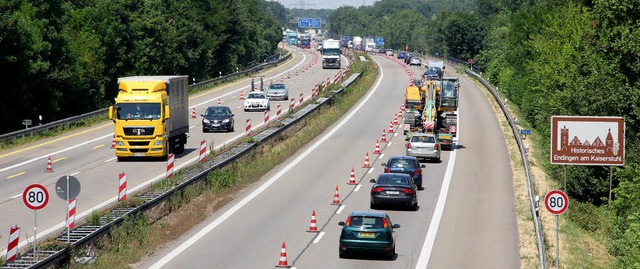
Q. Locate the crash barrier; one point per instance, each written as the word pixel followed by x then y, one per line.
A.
pixel 82 237
pixel 523 154
pixel 269 62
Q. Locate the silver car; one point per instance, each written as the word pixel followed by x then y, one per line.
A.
pixel 415 61
pixel 278 91
pixel 422 145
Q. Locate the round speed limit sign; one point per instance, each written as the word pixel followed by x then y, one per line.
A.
pixel 35 196
pixel 556 202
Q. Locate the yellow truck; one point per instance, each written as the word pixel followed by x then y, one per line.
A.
pixel 413 98
pixel 151 116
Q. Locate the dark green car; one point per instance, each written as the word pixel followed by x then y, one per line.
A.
pixel 368 232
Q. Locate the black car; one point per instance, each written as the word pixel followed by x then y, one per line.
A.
pixel 394 189
pixel 407 165
pixel 217 118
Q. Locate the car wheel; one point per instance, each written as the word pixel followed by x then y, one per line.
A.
pixel 245 110
pixel 342 254
pixel 372 205
pixel 233 128
pixel 420 188
pixel 415 206
pixel 204 130
pixel 391 253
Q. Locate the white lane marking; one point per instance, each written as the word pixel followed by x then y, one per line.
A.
pixel 430 239
pixel 110 159
pixel 16 196
pixel 395 134
pixel 357 187
pixel 340 209
pixel 389 144
pixel 75 173
pixel 56 152
pixel 239 107
pixel 191 127
pixel 381 155
pixel 320 235
pixel 370 170
pixel 212 225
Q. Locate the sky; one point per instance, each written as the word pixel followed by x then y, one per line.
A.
pixel 323 4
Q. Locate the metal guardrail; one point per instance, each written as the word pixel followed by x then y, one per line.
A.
pixel 88 233
pixel 525 161
pixel 273 60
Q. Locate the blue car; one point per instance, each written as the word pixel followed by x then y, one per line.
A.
pixel 406 165
pixel 368 231
pixel 401 55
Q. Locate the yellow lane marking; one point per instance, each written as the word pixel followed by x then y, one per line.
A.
pixel 59 159
pixel 56 140
pixel 98 146
pixel 12 176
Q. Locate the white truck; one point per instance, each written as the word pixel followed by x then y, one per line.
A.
pixel 357 43
pixel 331 54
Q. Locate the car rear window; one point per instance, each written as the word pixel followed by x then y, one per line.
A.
pixel 393 180
pixel 256 96
pixel 277 86
pixel 423 139
pixel 366 221
pixel 402 163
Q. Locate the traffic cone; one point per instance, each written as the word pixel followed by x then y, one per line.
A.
pixel 219 101
pixel 336 197
pixel 384 136
pixel 241 95
pixel 352 178
pixel 283 257
pixel 377 151
pixel 281 79
pixel 395 119
pixel 289 75
pixel 296 72
pixel 366 161
pixel 400 113
pixel 193 113
pixel 313 227
pixel 113 142
pixel 390 127
pixel 49 166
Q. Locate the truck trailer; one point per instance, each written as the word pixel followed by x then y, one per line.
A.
pixel 151 116
pixel 331 54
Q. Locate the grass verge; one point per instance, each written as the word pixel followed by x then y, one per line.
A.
pixel 581 245
pixel 140 236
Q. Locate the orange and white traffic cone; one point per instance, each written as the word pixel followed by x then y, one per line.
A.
pixel 49 166
pixel 296 72
pixel 377 150
pixel 281 79
pixel 384 136
pixel 241 95
pixel 366 161
pixel 400 113
pixel 336 198
pixel 313 227
pixel 113 142
pixel 395 119
pixel 283 257
pixel 352 178
pixel 390 127
pixel 193 113
pixel 289 75
pixel 219 101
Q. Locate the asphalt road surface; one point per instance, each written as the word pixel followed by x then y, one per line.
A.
pixel 466 217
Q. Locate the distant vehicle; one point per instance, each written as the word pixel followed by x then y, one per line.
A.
pixel 432 74
pixel 423 145
pixel 389 52
pixel 369 46
pixel 293 38
pixel 218 118
pixel 405 164
pixel 415 61
pixel 394 189
pixel 357 43
pixel 438 65
pixel 278 91
pixel 401 55
pixel 305 41
pixel 331 54
pixel 368 231
pixel 407 58
pixel 256 100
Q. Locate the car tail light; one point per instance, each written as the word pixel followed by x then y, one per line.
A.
pixel 418 172
pixel 348 222
pixel 435 146
pixel 387 170
pixel 409 145
pixel 407 191
pixel 385 223
pixel 378 189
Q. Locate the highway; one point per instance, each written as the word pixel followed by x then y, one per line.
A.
pixel 86 153
pixel 466 217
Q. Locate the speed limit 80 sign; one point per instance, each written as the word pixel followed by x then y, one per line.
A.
pixel 556 202
pixel 35 196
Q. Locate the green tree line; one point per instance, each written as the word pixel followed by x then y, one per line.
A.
pixel 549 58
pixel 62 58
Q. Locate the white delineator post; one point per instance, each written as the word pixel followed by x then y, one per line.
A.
pixel 122 187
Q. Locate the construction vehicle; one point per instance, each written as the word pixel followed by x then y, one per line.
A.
pixel 151 116
pixel 441 105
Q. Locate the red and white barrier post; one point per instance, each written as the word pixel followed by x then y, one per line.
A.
pixel 14 238
pixel 203 150
pixel 122 187
pixel 266 118
pixel 170 161
pixel 278 113
pixel 301 98
pixel 292 104
pixel 248 128
pixel 71 215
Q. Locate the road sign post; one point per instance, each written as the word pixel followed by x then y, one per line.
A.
pixel 35 197
pixel 556 202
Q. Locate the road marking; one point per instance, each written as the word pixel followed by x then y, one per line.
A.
pixel 381 155
pixel 320 235
pixel 212 225
pixel 239 107
pixel 16 196
pixel 389 144
pixel 340 209
pixel 395 134
pixel 430 239
pixel 357 187
pixel 59 159
pixel 370 170
pixel 98 146
pixel 191 127
pixel 15 175
pixel 75 173
pixel 110 159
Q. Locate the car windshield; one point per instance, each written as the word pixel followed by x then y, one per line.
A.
pixel 277 87
pixel 366 221
pixel 423 139
pixel 256 96
pixel 402 163
pixel 217 111
pixel 138 111
pixel 386 180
